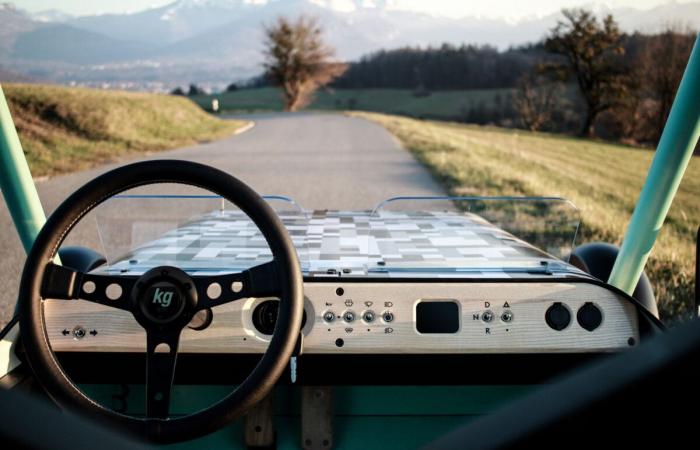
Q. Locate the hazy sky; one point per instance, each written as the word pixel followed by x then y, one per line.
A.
pixel 510 9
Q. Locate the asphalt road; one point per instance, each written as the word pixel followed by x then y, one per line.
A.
pixel 323 161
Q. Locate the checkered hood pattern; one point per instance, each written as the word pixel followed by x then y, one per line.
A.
pixel 337 243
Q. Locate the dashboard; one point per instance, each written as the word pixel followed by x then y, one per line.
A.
pixel 385 294
pixel 385 317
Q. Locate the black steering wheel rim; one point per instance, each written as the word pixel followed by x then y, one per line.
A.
pixel 41 357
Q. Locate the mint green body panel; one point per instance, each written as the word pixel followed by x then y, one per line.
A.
pixel 672 156
pixel 365 417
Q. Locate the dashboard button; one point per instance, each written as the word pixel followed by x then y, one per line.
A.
pixel 79 332
pixel 265 316
pixel 388 317
pixel 487 316
pixel 589 316
pixel 329 316
pixel 349 316
pixel 507 316
pixel 558 316
pixel 368 316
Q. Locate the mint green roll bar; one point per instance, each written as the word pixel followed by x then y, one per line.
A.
pixel 16 181
pixel 679 138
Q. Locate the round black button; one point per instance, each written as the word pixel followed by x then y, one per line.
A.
pixel 557 316
pixel 162 302
pixel 265 316
pixel 589 316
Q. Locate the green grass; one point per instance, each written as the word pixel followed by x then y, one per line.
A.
pixel 440 104
pixel 66 129
pixel 602 179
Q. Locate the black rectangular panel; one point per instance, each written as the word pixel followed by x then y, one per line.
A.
pixel 437 317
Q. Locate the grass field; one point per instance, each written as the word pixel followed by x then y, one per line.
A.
pixel 602 179
pixel 66 129
pixel 440 104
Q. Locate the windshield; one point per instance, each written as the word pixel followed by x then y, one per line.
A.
pixel 418 235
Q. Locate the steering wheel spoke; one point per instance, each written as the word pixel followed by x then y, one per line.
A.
pixel 258 281
pixel 161 357
pixel 64 283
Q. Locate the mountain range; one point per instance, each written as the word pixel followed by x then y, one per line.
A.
pixel 214 42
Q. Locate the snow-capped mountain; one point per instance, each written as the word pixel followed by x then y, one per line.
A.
pixel 51 16
pixel 221 39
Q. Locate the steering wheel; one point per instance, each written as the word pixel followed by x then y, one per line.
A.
pixel 162 300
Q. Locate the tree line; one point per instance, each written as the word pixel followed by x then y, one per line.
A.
pixel 444 67
pixel 586 77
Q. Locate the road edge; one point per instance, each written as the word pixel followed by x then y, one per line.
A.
pixel 248 126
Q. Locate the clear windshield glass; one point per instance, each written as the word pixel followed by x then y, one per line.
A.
pixel 548 223
pixel 484 234
pixel 433 235
pixel 195 231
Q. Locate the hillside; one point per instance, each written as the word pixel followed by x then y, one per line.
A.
pixel 66 129
pixel 474 160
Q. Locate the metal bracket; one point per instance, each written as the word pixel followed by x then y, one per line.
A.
pixel 316 418
pixel 259 426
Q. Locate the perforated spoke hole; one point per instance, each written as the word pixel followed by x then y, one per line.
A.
pixel 214 291
pixel 89 287
pixel 113 291
pixel 162 348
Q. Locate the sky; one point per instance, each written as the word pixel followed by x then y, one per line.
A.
pixel 505 9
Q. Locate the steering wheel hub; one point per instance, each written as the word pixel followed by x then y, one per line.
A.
pixel 162 303
pixel 164 295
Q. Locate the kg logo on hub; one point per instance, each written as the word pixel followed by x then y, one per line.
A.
pixel 162 298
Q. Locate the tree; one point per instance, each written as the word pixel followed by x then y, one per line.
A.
pixel 591 51
pixel 177 91
pixel 298 60
pixel 662 62
pixel 195 90
pixel 535 100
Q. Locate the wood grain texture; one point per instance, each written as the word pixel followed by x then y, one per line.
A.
pixel 232 330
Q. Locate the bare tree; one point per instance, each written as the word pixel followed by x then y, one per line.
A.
pixel 535 100
pixel 590 48
pixel 298 60
pixel 662 63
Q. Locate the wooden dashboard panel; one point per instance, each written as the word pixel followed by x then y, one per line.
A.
pixel 232 329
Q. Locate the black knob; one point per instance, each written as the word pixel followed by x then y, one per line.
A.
pixel 265 316
pixel 557 316
pixel 589 316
